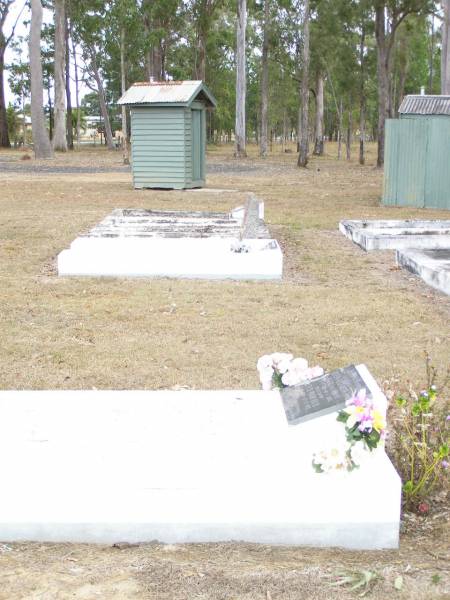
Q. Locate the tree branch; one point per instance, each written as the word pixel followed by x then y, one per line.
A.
pixel 8 39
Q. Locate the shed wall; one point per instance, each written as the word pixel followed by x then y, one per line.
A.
pixel 158 143
pixel 417 162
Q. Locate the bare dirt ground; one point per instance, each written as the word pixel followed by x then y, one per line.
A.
pixel 336 305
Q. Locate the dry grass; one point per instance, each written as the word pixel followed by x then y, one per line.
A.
pixel 336 305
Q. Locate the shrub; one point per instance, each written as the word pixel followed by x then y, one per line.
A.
pixel 419 444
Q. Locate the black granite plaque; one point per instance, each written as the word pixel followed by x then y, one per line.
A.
pixel 322 395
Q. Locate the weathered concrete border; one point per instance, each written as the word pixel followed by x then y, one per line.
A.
pixel 185 244
pixel 397 234
pixel 433 266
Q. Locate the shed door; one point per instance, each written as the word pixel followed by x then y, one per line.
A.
pixel 197 149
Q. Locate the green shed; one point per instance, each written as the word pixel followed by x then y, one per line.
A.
pixel 417 154
pixel 168 133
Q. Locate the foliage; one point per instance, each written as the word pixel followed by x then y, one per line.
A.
pixel 362 580
pixel 421 439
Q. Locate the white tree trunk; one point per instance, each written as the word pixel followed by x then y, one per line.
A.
pixel 77 91
pixel 126 159
pixel 59 134
pixel 265 83
pixel 445 58
pixel 41 141
pixel 240 79
pixel 101 99
pixel 304 92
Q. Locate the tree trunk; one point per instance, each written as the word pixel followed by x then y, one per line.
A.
pixel 41 141
pixel 362 97
pixel 240 151
pixel 445 58
pixel 77 91
pixel 200 67
pixel 69 122
pixel 348 141
pixel 383 80
pixel 101 99
pixel 4 137
pixel 264 83
pixel 304 91
pixel 50 110
pixel 59 135
pixel 126 160
pixel 318 145
pixel 339 133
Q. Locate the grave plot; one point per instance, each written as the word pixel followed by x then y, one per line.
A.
pixel 188 466
pixel 396 235
pixel 151 243
pixel 433 266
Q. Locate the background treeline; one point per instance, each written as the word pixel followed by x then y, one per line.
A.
pixel 314 70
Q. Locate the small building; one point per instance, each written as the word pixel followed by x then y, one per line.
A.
pixel 417 154
pixel 168 133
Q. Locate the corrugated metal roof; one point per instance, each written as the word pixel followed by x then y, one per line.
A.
pixel 425 105
pixel 166 92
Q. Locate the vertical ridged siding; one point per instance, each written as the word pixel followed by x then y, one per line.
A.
pixel 417 162
pixel 158 147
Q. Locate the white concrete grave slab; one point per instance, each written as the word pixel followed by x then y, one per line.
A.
pixel 397 234
pixel 186 466
pixel 433 266
pixel 149 243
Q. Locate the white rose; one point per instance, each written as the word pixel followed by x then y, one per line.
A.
pixel 264 362
pixel 278 357
pixel 300 364
pixel 315 372
pixel 284 365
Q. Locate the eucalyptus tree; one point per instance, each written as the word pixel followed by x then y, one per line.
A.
pixel 41 140
pixel 265 80
pixel 59 135
pixel 389 15
pixel 445 51
pixel 203 13
pixel 5 39
pixel 240 126
pixel 90 20
pixel 304 90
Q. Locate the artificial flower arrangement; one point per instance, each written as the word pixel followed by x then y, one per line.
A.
pixel 365 426
pixel 365 430
pixel 282 370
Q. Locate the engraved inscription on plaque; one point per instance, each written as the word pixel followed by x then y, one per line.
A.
pixel 322 395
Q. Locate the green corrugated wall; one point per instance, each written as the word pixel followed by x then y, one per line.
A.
pixel 417 162
pixel 161 147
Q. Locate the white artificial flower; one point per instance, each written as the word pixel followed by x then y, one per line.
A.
pixel 300 364
pixel 358 452
pixel 266 375
pixel 278 357
pixel 264 362
pixel 315 372
pixel 284 365
pixel 292 377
